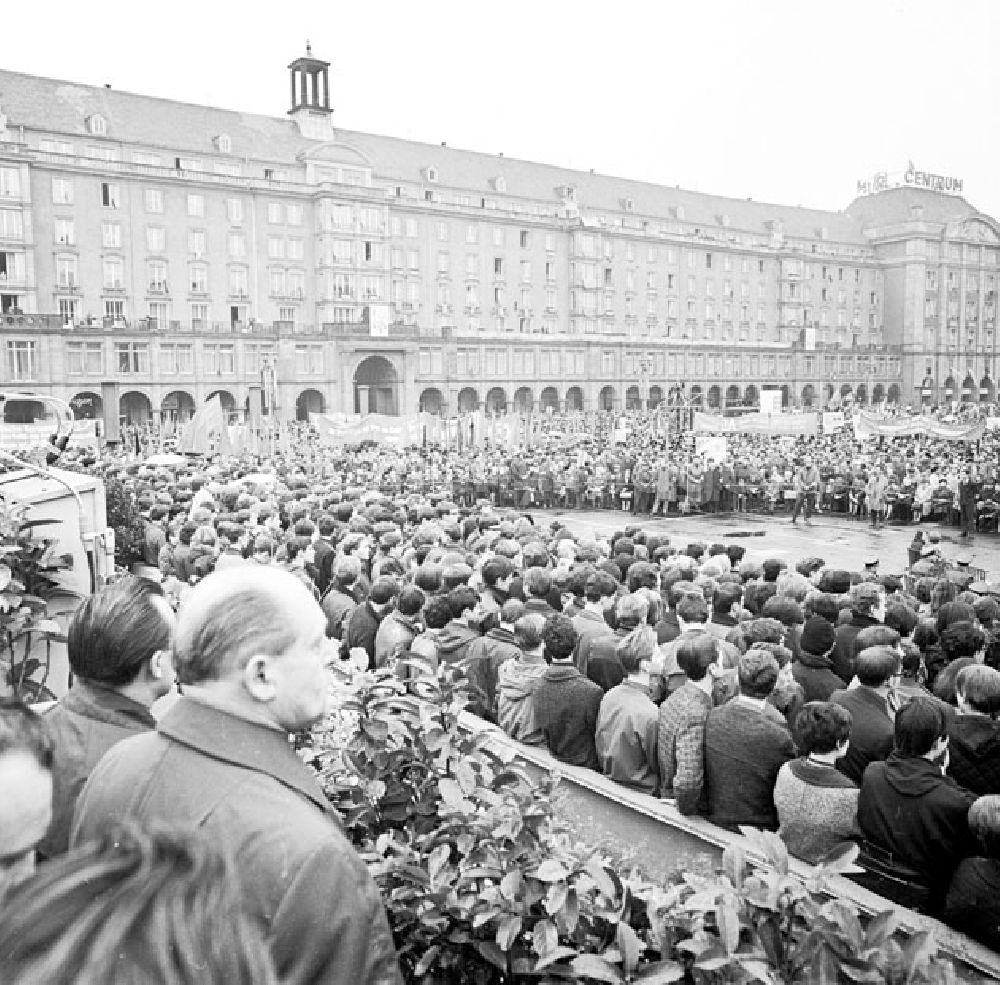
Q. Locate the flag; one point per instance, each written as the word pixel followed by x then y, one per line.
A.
pixel 207 425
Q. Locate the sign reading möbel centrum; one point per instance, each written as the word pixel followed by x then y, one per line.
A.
pixel 883 180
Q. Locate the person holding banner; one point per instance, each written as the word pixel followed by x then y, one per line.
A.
pixel 807 480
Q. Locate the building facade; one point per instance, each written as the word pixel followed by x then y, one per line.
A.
pixel 153 253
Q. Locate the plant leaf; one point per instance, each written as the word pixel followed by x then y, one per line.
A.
pixel 438 860
pixel 728 919
pixel 507 932
pixel 556 954
pixel 510 885
pixel 425 963
pixel 630 947
pixel 599 874
pixel 550 871
pixel 881 928
pixel 591 966
pixel 544 938
pixel 660 973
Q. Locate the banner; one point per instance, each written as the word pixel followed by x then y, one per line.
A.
pixel 833 420
pixel 352 429
pixel 713 446
pixel 770 402
pixel 789 424
pixel 23 437
pixel 870 426
pixel 207 431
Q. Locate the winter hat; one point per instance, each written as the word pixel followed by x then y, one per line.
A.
pixel 818 636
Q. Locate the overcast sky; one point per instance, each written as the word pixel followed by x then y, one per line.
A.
pixel 787 101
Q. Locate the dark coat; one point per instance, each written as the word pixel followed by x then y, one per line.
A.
pixel 483 658
pixel 362 625
pixel 242 785
pixel 84 725
pixel 816 676
pixel 872 732
pixel 745 747
pixel 844 650
pixel 975 753
pixel 973 902
pixel 908 808
pixel 566 706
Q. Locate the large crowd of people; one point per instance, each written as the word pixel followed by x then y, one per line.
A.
pixel 825 703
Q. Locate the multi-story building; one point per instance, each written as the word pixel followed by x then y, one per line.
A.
pixel 153 253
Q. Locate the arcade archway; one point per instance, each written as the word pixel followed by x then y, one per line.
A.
pixel 309 402
pixel 376 387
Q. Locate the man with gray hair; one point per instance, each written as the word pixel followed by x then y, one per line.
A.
pixel 252 654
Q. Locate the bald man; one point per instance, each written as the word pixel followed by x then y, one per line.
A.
pixel 251 653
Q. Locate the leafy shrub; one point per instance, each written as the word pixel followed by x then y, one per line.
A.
pixel 125 518
pixel 482 885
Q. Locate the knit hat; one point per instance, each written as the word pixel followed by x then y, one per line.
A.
pixel 817 636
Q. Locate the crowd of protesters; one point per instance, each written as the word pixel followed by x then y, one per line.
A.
pixel 824 703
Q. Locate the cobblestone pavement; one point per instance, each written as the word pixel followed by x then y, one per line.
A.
pixel 840 541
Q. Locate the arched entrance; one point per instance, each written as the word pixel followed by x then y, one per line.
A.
pixel 574 398
pixel 751 397
pixel 714 396
pixel 468 400
pixel 227 400
pixel 496 400
pixel 523 400
pixel 549 399
pixel 878 394
pixel 927 391
pixel 606 399
pixel 696 396
pixel 949 388
pixel 87 406
pixel 632 399
pixel 893 396
pixel 861 395
pixel 309 402
pixel 134 407
pixel 655 397
pixel 376 387
pixel 177 406
pixel 808 395
pixel 732 396
pixel 431 400
pixel 786 395
pixel 968 389
pixel 986 389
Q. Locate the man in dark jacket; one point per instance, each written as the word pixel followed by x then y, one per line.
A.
pixel 909 807
pixel 454 640
pixel 363 623
pixel 746 744
pixel 973 902
pixel 975 732
pixel 251 652
pixel 867 609
pixel 813 670
pixel 485 655
pixel 565 702
pixel 119 647
pixel 878 668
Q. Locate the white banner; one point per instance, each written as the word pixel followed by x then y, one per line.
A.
pixel 22 437
pixel 713 446
pixel 833 420
pixel 770 401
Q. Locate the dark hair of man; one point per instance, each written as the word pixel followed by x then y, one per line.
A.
pixel 786 610
pixel 693 608
pixel 756 594
pixel 304 528
pixel 383 591
pixel 962 639
pixel 876 636
pixel 919 724
pixel 461 600
pixel 952 612
pixel 559 638
pixel 780 652
pixel 22 729
pixel 695 654
pixel 133 907
pixel 901 618
pixel 576 582
pixel 411 601
pixel 821 604
pixel 726 596
pixel 925 635
pixel 537 582
pixel 758 673
pixel 821 726
pixel 428 578
pixel 980 686
pixel 641 575
pixel 115 631
pixel 437 612
pixel 772 568
pixel 984 823
pixel 876 665
pixel 186 532
pixel 496 569
pixel 327 525
pixel 942 593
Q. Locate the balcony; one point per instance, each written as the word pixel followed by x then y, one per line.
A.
pixel 158 287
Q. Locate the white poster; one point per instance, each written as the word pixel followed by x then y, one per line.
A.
pixel 712 446
pixel 833 421
pixel 770 401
